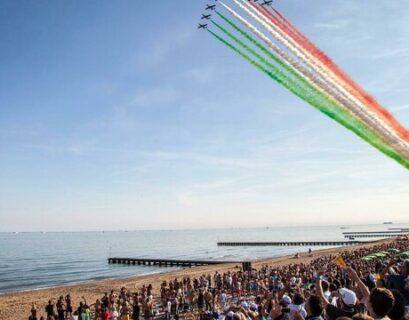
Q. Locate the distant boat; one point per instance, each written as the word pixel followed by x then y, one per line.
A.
pixel 387 222
pixel 344 228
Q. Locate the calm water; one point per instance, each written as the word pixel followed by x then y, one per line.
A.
pixel 37 260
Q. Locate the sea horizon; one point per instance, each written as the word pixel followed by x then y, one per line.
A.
pixel 352 224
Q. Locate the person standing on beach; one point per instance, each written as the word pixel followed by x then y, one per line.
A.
pixel 104 315
pixel 113 314
pixel 147 309
pixel 200 301
pixel 112 298
pixel 168 309
pixel 136 308
pixel 125 311
pixel 105 300
pixel 33 315
pixel 68 304
pixel 74 316
pixel 50 309
pixel 97 308
pixel 80 310
pixel 61 308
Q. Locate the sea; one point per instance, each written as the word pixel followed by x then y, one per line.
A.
pixel 33 260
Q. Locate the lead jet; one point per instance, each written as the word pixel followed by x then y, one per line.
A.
pixel 267 2
pixel 206 16
pixel 210 7
pixel 202 26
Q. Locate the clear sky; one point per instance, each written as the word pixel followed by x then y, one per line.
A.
pixel 122 115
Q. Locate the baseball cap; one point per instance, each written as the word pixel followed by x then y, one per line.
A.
pixel 348 296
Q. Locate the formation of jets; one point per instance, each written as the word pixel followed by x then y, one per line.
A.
pixel 265 2
pixel 212 7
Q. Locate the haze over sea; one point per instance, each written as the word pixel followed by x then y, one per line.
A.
pixel 36 260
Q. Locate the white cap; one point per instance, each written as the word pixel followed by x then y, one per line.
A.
pixel 348 296
pixel 286 299
pixel 244 304
pixel 253 306
pixel 230 314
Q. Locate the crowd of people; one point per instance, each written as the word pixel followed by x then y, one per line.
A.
pixel 324 288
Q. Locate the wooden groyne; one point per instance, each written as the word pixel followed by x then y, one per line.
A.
pixel 290 244
pixel 374 234
pixel 166 262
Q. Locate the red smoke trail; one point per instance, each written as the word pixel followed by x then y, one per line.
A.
pixel 286 26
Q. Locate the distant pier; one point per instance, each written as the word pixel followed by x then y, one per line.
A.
pixel 166 262
pixel 290 244
pixel 375 234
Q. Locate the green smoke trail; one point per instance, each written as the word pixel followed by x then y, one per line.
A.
pixel 315 98
pixel 256 43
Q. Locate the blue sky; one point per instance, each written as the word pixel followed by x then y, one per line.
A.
pixel 122 115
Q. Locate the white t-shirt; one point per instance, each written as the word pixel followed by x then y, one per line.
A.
pixel 223 298
pixel 298 308
pixel 114 315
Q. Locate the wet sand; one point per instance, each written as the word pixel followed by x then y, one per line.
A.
pixel 17 305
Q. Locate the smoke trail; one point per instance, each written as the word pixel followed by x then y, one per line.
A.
pixel 321 103
pixel 352 86
pixel 316 79
pixel 306 56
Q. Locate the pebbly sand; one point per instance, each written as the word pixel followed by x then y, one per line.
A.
pixel 17 305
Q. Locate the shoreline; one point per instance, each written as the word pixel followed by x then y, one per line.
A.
pixel 16 305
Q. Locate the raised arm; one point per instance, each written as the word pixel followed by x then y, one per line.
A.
pixel 362 287
pixel 319 291
pixel 386 269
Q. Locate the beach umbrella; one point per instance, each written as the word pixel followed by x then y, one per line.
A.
pixel 368 258
pixel 378 255
pixel 405 255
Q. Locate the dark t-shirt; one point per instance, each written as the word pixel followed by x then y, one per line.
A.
pixel 200 300
pixel 136 309
pixel 49 309
pixel 335 312
pixel 283 316
pixel 397 282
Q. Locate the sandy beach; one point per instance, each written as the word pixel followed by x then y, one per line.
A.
pixel 17 305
